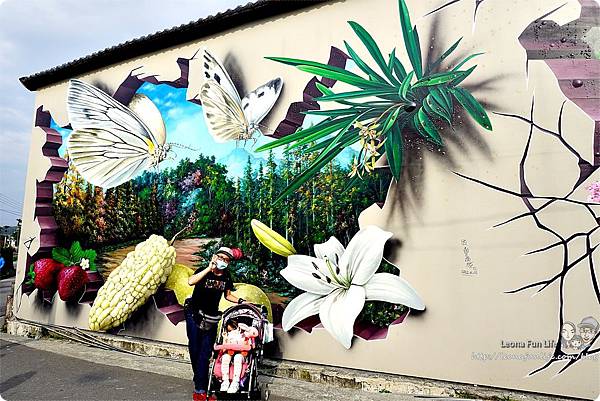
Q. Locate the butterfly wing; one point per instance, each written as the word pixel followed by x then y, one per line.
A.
pixel 147 111
pixel 104 159
pixel 90 108
pixel 110 144
pixel 214 70
pixel 223 115
pixel 257 104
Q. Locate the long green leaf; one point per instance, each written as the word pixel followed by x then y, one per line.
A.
pixel 390 120
pixel 457 66
pixel 341 75
pixel 418 50
pixel 437 109
pixel 323 89
pixel 472 106
pixel 315 137
pixel 316 166
pixel 325 70
pixel 410 39
pixel 394 148
pixel 338 137
pixel 462 78
pixel 438 79
pixel 362 65
pixel 355 94
pixel 441 95
pixel 332 113
pixel 390 68
pixel 350 184
pixel 370 113
pixel 327 92
pixel 405 86
pixel 297 62
pixel 399 70
pixel 327 125
pixel 362 105
pixel 442 57
pixel 349 136
pixel 372 47
pixel 426 128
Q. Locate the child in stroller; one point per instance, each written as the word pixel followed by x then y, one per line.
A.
pixel 240 339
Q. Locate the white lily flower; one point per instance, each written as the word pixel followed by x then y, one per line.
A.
pixel 339 281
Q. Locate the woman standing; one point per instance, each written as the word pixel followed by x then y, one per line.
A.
pixel 202 313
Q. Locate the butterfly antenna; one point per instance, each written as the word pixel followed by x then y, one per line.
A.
pixel 180 146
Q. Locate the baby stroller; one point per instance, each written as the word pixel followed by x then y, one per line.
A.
pixel 249 317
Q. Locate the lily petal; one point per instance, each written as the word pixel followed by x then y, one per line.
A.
pixel 301 273
pixel 339 311
pixel 332 250
pixel 394 289
pixel 363 255
pixel 299 308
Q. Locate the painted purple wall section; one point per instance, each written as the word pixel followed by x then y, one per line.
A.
pixel 132 83
pixel 571 60
pixel 166 302
pixel 43 200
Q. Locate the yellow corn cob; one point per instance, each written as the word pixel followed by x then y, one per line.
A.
pixel 131 284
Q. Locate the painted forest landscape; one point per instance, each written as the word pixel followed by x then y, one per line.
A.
pixel 224 190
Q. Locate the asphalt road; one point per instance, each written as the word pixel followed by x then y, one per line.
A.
pixel 29 374
pixel 28 371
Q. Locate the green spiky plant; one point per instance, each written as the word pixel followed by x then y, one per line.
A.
pixel 391 102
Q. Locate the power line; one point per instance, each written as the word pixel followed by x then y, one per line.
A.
pixel 10 202
pixel 10 212
pixel 9 198
pixel 6 196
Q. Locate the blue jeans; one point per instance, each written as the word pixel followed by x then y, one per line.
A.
pixel 200 344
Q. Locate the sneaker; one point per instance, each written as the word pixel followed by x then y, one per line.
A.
pixel 234 387
pixel 199 396
pixel 225 385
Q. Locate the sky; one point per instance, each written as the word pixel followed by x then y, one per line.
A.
pixel 39 34
pixel 184 124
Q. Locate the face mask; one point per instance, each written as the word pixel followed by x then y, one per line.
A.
pixel 221 265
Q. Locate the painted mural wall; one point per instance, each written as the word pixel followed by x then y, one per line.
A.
pixel 414 187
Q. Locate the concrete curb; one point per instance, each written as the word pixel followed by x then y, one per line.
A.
pixel 338 377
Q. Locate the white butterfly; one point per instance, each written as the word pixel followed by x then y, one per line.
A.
pixel 111 143
pixel 227 116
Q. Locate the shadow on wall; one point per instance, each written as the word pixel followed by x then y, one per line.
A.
pixel 463 138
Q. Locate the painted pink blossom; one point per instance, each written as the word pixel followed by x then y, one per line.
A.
pixel 594 192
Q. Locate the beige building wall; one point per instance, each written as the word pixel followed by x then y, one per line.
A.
pixel 459 337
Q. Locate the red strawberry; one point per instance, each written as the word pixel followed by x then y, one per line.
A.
pixel 45 273
pixel 71 283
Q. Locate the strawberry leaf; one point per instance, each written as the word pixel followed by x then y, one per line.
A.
pixel 62 255
pixel 30 275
